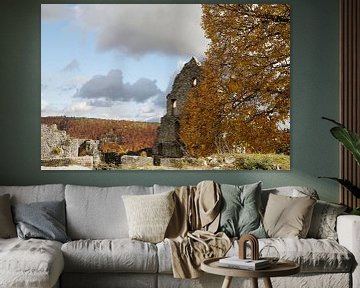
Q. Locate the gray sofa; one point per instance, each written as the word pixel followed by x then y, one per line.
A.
pixel 101 254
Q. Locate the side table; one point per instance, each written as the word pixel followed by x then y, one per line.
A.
pixel 281 268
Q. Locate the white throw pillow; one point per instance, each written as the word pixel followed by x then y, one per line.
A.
pixel 149 215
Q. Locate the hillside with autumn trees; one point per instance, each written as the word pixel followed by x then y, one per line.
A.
pixel 118 136
pixel 245 86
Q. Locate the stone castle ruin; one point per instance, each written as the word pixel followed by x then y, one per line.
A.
pixel 56 143
pixel 59 149
pixel 168 144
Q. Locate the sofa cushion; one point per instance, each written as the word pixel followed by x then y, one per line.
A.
pixel 35 193
pixel 323 222
pixel 43 220
pixel 149 215
pixel 98 213
pixel 30 263
pixel 7 227
pixel 117 255
pixel 287 216
pixel 313 255
pixel 164 257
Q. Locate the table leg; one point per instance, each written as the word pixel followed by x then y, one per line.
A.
pixel 227 282
pixel 267 283
pixel 254 282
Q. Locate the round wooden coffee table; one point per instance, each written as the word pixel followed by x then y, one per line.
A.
pixel 281 268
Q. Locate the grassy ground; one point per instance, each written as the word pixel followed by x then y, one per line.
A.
pixel 264 162
pixel 217 162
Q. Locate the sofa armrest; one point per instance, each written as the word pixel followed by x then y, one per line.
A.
pixel 348 230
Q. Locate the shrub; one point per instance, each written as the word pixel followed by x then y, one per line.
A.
pixel 56 151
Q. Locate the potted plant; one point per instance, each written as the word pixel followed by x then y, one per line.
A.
pixel 351 141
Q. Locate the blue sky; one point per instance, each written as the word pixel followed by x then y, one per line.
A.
pixel 115 61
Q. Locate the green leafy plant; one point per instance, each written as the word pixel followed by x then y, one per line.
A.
pixel 56 151
pixel 351 141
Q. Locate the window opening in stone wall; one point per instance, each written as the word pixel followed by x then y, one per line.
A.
pixel 194 82
pixel 173 106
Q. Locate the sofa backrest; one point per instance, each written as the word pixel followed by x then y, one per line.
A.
pixel 163 188
pixel 35 193
pixel 98 212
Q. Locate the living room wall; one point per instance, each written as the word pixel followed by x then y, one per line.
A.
pixel 314 93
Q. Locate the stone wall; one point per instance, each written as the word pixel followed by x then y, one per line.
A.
pixel 85 161
pixel 56 143
pixel 168 143
pixel 188 78
pixel 58 149
pixel 136 160
pixel 90 148
pixel 169 130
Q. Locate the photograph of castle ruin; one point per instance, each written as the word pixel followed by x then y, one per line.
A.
pixel 165 87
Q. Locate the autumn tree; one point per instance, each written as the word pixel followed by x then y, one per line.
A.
pixel 244 96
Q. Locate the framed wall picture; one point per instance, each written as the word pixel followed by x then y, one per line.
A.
pixel 165 87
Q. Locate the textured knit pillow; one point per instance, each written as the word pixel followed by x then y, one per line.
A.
pixel 240 213
pixel 288 217
pixel 7 226
pixel 149 215
pixel 43 220
pixel 323 222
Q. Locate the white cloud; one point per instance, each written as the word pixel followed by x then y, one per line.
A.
pixel 79 107
pixel 150 114
pixel 137 29
pixel 55 12
pixel 49 110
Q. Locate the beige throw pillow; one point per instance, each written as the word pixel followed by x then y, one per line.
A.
pixel 288 217
pixel 148 215
pixel 7 226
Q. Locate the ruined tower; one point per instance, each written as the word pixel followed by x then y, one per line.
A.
pixel 168 143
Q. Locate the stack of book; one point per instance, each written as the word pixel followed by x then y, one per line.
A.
pixel 248 264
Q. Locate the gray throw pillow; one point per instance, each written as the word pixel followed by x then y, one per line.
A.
pixel 323 222
pixel 43 220
pixel 240 213
pixel 7 227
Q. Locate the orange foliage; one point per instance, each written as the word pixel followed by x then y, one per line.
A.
pixel 119 136
pixel 243 99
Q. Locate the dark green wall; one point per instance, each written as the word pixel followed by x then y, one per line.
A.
pixel 314 93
